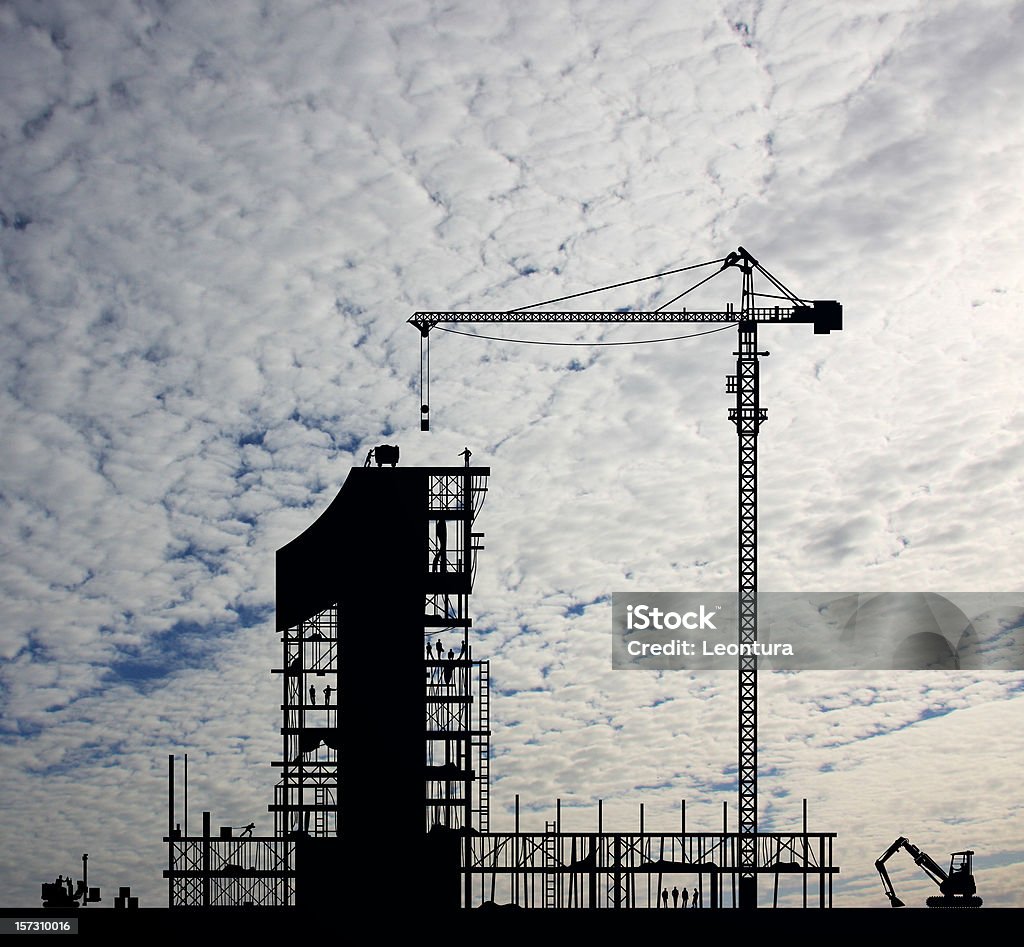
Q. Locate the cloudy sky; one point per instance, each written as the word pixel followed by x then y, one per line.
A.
pixel 215 220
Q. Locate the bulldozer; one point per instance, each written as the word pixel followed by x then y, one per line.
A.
pixel 957 885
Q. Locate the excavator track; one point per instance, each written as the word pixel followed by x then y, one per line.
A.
pixel 969 902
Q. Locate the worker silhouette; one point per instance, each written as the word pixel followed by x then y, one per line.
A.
pixel 664 897
pixel 440 649
pixel 441 555
pixel 369 457
pixel 675 897
pixel 462 650
pixel 696 903
pixel 430 650
pixel 467 453
pixel 686 897
pixel 327 694
pixel 247 831
pixel 312 695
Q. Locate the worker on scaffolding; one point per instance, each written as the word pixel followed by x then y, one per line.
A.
pixel 441 553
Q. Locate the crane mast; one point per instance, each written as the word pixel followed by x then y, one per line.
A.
pixel 748 415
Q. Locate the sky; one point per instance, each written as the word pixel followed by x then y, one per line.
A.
pixel 215 220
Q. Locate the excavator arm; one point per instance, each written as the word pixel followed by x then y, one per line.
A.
pixel 930 866
pixel 884 875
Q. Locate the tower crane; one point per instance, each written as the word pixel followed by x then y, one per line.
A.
pixel 825 316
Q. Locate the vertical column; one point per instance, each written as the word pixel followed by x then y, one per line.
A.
pixel 804 875
pixel 170 829
pixel 206 859
pixel 465 674
pixel 823 865
pixel 747 416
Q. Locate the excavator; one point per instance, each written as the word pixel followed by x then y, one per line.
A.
pixel 957 885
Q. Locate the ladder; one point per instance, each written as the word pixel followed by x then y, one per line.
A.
pixel 320 811
pixel 482 742
pixel 550 860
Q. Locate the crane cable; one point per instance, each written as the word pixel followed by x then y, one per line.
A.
pixel 498 338
pixel 629 282
pixel 425 337
pixel 599 289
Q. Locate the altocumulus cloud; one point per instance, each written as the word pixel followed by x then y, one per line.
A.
pixel 214 221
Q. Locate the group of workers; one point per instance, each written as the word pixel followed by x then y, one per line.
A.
pixel 675 898
pixel 439 648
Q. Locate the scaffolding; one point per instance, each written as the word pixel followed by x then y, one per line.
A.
pixel 566 870
pixel 207 871
pixel 306 797
pixel 561 870
pixel 418 562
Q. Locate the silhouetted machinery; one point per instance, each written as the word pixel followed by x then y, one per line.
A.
pixel 957 886
pixel 61 894
pixel 779 306
pixel 383 454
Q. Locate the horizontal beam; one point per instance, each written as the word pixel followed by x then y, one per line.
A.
pixel 435 318
pixel 613 869
pixel 631 838
pixel 825 314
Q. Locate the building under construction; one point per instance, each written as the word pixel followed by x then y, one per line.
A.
pixel 384 767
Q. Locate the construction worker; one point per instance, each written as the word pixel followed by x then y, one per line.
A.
pixel 312 694
pixel 441 555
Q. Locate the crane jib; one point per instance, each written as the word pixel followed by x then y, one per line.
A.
pixel 826 315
